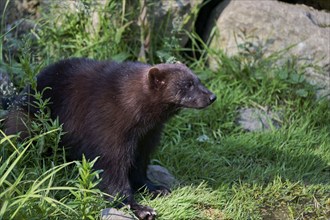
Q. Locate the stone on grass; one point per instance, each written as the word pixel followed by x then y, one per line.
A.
pixel 253 119
pixel 115 214
pixel 160 175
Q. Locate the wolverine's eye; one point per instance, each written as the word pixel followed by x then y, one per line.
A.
pixel 189 85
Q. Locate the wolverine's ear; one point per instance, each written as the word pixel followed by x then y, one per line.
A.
pixel 156 77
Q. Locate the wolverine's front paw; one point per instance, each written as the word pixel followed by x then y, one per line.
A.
pixel 144 212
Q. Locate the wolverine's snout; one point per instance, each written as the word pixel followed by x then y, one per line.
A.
pixel 212 98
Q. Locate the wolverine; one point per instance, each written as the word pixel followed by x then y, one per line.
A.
pixel 114 111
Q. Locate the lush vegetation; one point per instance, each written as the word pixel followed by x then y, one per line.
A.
pixel 224 171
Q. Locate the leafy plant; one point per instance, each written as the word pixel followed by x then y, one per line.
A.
pixel 88 199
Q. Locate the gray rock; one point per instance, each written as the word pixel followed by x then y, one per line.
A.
pixel 253 119
pixel 115 214
pixel 18 9
pixel 7 88
pixel 160 175
pixel 276 26
pixel 168 16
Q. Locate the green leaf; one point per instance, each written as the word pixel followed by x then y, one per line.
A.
pixel 295 77
pixel 283 74
pixel 120 56
pixel 302 92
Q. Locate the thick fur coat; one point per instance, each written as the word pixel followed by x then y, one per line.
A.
pixel 116 111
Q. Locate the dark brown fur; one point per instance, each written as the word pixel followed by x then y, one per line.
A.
pixel 116 111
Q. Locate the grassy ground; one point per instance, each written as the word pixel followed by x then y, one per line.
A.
pixel 228 174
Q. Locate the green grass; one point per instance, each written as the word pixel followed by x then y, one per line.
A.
pixel 224 171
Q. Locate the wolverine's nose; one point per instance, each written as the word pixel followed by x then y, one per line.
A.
pixel 212 98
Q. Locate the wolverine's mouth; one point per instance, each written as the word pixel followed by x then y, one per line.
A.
pixel 197 104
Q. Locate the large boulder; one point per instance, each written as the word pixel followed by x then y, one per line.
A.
pixel 15 10
pixel 169 16
pixel 276 26
pixel 165 19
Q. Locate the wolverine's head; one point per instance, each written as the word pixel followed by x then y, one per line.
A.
pixel 178 85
